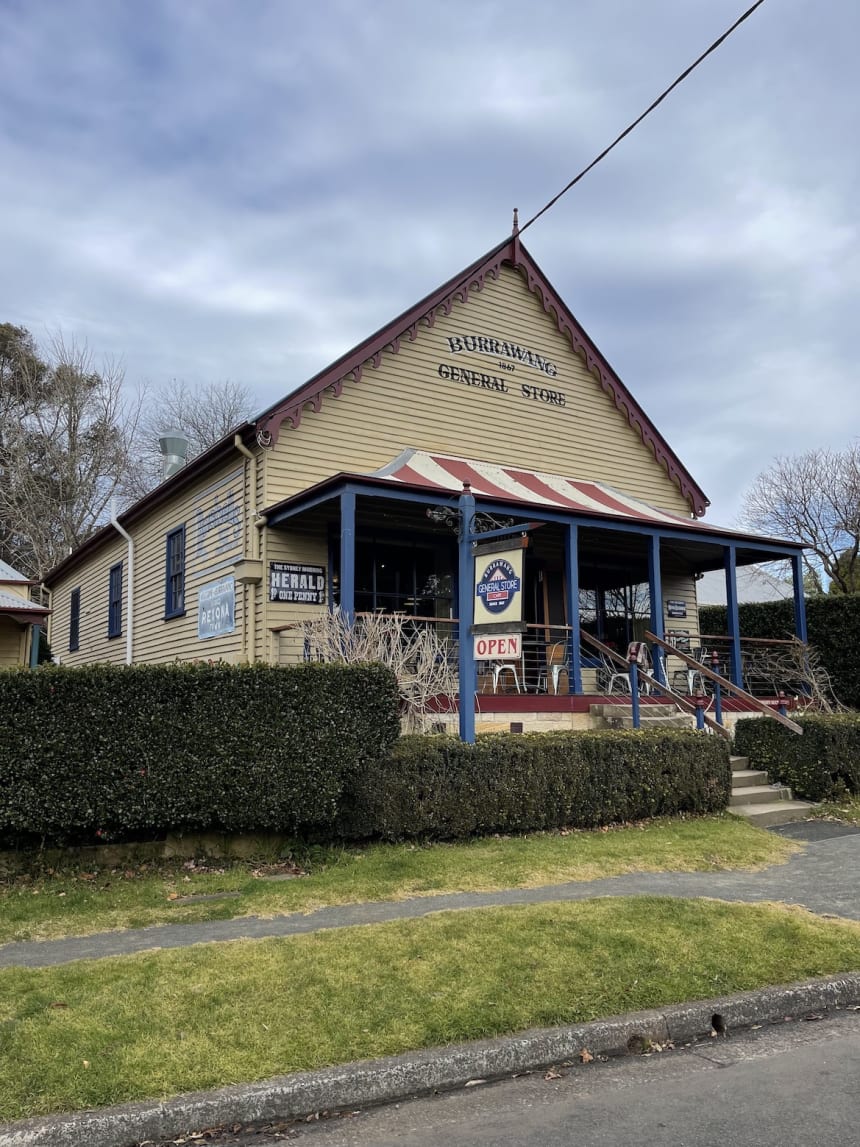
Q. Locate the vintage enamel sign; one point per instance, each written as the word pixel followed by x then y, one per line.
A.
pixel 498 587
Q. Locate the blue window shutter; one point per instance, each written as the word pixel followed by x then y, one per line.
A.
pixel 174 573
pixel 74 620
pixel 115 601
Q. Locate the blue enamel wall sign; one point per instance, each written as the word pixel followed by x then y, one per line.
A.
pixel 498 585
pixel 216 608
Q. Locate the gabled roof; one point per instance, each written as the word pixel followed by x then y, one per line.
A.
pixel 513 254
pixel 7 574
pixel 21 608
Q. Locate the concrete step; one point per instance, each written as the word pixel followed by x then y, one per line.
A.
pixel 739 763
pixel 743 778
pixel 676 721
pixel 777 812
pixel 759 794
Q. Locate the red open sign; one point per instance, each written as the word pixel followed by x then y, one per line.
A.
pixel 498 647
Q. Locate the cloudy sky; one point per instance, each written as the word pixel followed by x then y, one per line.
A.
pixel 243 190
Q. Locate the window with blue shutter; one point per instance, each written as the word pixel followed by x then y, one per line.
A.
pixel 174 575
pixel 74 620
pixel 115 601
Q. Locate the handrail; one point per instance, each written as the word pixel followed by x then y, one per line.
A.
pixel 723 682
pixel 678 698
pixel 748 640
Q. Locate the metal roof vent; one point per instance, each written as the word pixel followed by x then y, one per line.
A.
pixel 174 448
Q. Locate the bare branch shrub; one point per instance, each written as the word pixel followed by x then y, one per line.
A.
pixel 796 669
pixel 422 660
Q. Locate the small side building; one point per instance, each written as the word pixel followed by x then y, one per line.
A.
pixel 21 619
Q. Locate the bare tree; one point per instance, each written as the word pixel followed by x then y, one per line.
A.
pixel 813 498
pixel 419 656
pixel 66 431
pixel 204 413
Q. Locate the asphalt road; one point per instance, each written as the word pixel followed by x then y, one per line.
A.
pixel 792 1084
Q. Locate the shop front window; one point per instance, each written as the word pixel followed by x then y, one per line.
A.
pixel 395 577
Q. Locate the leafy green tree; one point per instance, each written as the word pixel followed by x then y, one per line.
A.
pixel 812 586
pixel 849 574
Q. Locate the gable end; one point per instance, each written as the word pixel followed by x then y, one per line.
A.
pixel 510 253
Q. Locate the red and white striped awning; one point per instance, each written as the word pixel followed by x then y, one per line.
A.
pixel 531 487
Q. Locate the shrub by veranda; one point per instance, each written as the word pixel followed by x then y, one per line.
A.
pixel 107 751
pixel 439 788
pixel 822 763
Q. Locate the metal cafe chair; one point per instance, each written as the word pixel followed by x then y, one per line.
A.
pixel 610 676
pixel 500 667
pixel 557 662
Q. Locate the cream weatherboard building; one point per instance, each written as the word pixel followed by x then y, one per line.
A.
pixel 21 619
pixel 350 491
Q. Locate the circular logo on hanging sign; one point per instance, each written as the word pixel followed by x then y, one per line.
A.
pixel 498 585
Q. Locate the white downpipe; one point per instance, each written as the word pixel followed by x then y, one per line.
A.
pixel 254 537
pixel 129 631
pixel 249 651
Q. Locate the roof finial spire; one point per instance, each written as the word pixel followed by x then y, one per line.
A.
pixel 516 227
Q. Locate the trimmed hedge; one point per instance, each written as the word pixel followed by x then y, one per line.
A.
pixel 818 765
pixel 439 788
pixel 124 752
pixel 834 629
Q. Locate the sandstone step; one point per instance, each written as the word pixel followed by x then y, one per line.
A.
pixel 777 812
pixel 743 778
pixel 626 710
pixel 759 794
pixel 739 763
pixel 676 721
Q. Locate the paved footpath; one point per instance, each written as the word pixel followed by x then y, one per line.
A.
pixel 825 879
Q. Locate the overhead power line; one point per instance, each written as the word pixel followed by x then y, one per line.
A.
pixel 647 112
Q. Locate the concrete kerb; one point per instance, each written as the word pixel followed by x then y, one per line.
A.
pixel 436 1069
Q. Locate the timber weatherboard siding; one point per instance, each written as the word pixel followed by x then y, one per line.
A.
pixel 404 402
pixel 13 643
pixel 214 511
pixel 91 578
pixel 311 548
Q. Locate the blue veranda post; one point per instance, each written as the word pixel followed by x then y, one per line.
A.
pixel 465 606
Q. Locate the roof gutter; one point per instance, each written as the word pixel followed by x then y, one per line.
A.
pixel 129 632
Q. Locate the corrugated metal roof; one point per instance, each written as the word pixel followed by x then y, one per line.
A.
pixel 532 487
pixel 11 603
pixel 9 574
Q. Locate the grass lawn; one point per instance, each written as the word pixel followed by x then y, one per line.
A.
pixel 156 1024
pixel 72 903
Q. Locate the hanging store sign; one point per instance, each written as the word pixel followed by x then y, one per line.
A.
pixel 296 583
pixel 498 587
pixel 498 646
pixel 216 608
pixel 676 608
